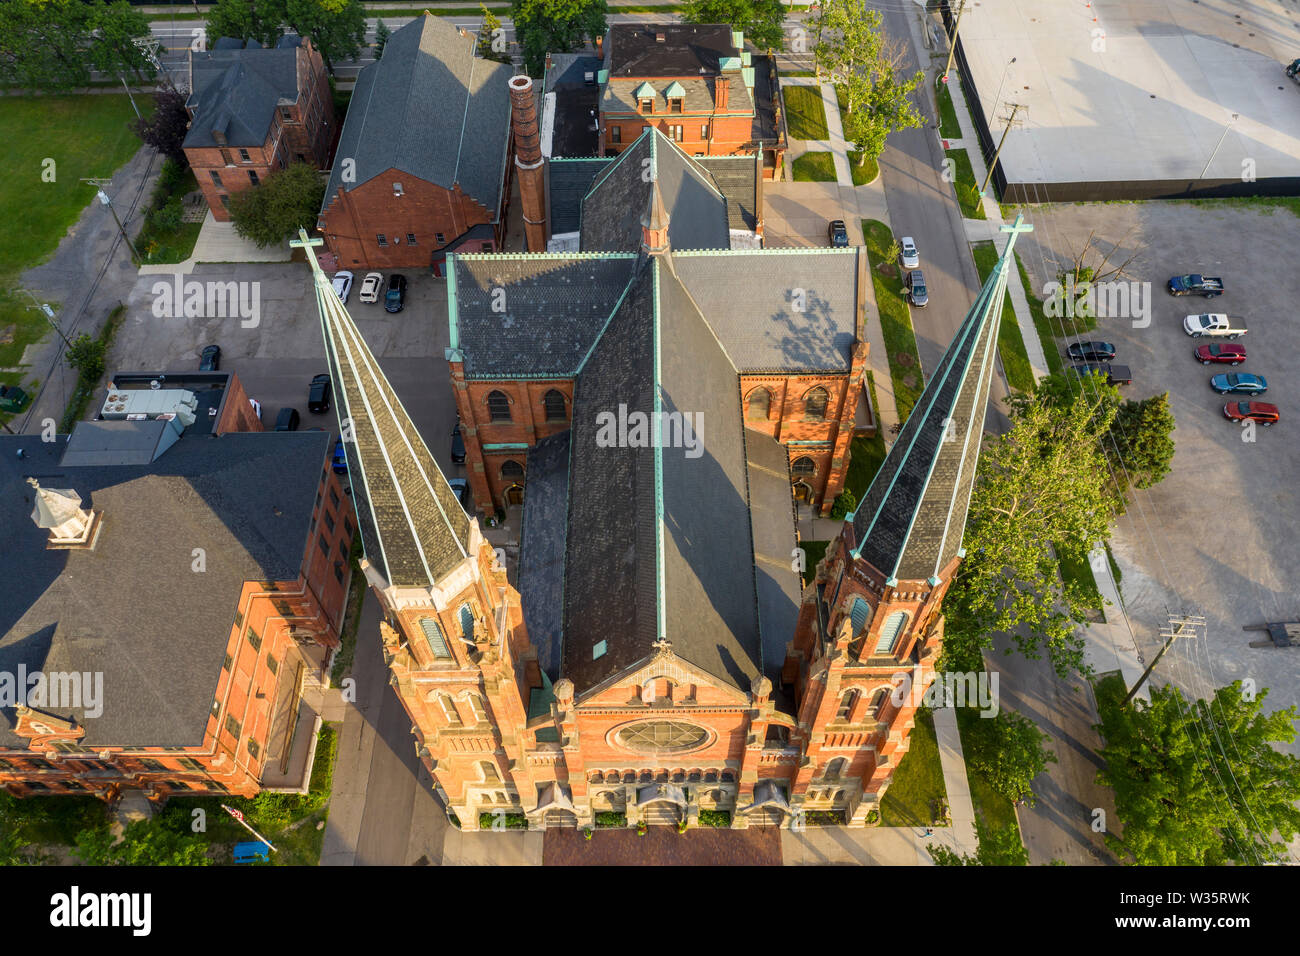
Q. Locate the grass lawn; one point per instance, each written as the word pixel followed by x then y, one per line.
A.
pixel 813 552
pixel 83 136
pixel 949 127
pixel 1115 572
pixel 865 172
pixel 814 168
pixel 866 455
pixel 1075 567
pixel 968 196
pixel 918 786
pixel 990 806
pixel 1050 329
pixel 895 319
pixel 1011 345
pixel 805 116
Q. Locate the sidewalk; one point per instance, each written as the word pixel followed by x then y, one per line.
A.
pixel 218 242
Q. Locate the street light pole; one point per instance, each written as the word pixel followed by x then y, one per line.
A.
pixel 49 316
pixel 1015 108
pixel 998 99
pixel 1226 130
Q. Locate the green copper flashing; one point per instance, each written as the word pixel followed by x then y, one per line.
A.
pixel 453 326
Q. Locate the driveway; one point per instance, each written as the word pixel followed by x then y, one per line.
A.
pixel 1217 536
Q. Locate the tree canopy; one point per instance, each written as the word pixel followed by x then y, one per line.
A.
pixel 144 843
pixel 165 128
pixel 555 26
pixel 272 212
pixel 54 45
pixel 1008 751
pixel 762 21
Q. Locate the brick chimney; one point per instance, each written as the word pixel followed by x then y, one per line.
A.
pixel 721 92
pixel 528 162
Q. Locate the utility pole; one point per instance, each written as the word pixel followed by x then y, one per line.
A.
pixel 129 96
pixel 103 198
pixel 952 40
pixel 49 316
pixel 1015 108
pixel 1180 625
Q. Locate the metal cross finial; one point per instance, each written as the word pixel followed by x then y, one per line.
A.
pixel 663 645
pixel 1015 229
pixel 306 242
pixel 34 483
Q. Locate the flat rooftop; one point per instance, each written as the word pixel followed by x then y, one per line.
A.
pixel 1138 90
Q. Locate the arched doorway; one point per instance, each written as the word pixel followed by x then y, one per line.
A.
pixel 803 492
pixel 661 804
pixel 514 496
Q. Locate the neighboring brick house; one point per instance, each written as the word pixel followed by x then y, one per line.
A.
pixel 790 319
pixel 203 577
pixel 254 111
pixel 422 163
pixel 659 655
pixel 698 85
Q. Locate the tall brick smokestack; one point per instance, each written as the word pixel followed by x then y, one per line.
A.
pixel 528 162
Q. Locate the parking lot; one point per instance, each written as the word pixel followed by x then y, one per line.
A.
pixel 1218 536
pixel 276 359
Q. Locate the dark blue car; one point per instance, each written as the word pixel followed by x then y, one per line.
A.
pixel 1239 383
pixel 340 462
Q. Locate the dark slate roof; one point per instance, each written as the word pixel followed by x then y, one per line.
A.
pixel 699 94
pixel 237 91
pixel 738 178
pixel 675 544
pixel 569 180
pixel 767 87
pixel 633 50
pixel 909 524
pixel 612 210
pixel 771 516
pixel 541 549
pixel 133 608
pixel 555 307
pixel 572 110
pixel 750 298
pixel 120 442
pixel 429 108
pixel 412 524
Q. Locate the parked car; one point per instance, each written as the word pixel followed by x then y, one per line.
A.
pixel 1222 354
pixel 287 420
pixel 1293 70
pixel 837 233
pixel 1206 286
pixel 1261 412
pixel 343 285
pixel 210 359
pixel 457 446
pixel 461 487
pixel 1239 383
pixel 916 292
pixel 318 394
pixel 1115 374
pixel 1214 324
pixel 339 462
pixel 370 286
pixel 395 297
pixel 910 257
pixel 1090 351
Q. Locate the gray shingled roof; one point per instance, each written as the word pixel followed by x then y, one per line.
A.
pixel 133 608
pixel 771 516
pixel 738 178
pixel 412 524
pixel 752 300
pixel 619 96
pixel 612 210
pixel 541 549
pixel 909 524
pixel 555 307
pixel 237 91
pixel 429 108
pixel 568 181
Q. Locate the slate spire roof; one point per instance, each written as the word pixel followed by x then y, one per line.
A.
pixel 413 527
pixel 910 523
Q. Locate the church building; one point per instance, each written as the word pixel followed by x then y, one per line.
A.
pixel 659 655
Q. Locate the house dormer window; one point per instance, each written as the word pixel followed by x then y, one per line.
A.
pixel 647 106
pixel 675 104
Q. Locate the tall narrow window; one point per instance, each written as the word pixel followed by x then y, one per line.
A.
pixel 759 406
pixel 846 704
pixel 834 769
pixel 616 134
pixel 498 407
pixel 489 772
pixel 252 176
pixel 889 633
pixel 814 403
pixel 859 614
pixel 467 623
pixel 476 705
pixel 434 638
pixel 244 157
pixel 449 710
pixel 877 702
pixel 553 404
pixel 216 177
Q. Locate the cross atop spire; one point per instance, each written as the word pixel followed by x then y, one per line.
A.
pixel 910 523
pixel 412 525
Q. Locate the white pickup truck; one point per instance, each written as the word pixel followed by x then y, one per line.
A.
pixel 1214 324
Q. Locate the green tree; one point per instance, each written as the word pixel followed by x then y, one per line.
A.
pixel 337 28
pixel 1199 784
pixel 86 355
pixel 853 52
pixel 1040 485
pixel 1140 445
pixel 274 211
pixel 491 38
pixel 996 848
pixel 143 843
pixel 258 20
pixel 42 45
pixel 112 49
pixel 382 33
pixel 555 26
pixel 844 504
pixel 14 844
pixel 1008 750
pixel 760 20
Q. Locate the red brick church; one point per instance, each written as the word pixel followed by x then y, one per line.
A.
pixel 659 655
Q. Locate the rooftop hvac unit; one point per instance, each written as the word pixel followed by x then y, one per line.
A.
pixel 137 417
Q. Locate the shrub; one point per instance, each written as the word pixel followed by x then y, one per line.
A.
pixel 167 218
pixel 171 177
pixel 844 504
pixel 508 821
pixel 86 355
pixel 610 818
pixel 715 818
